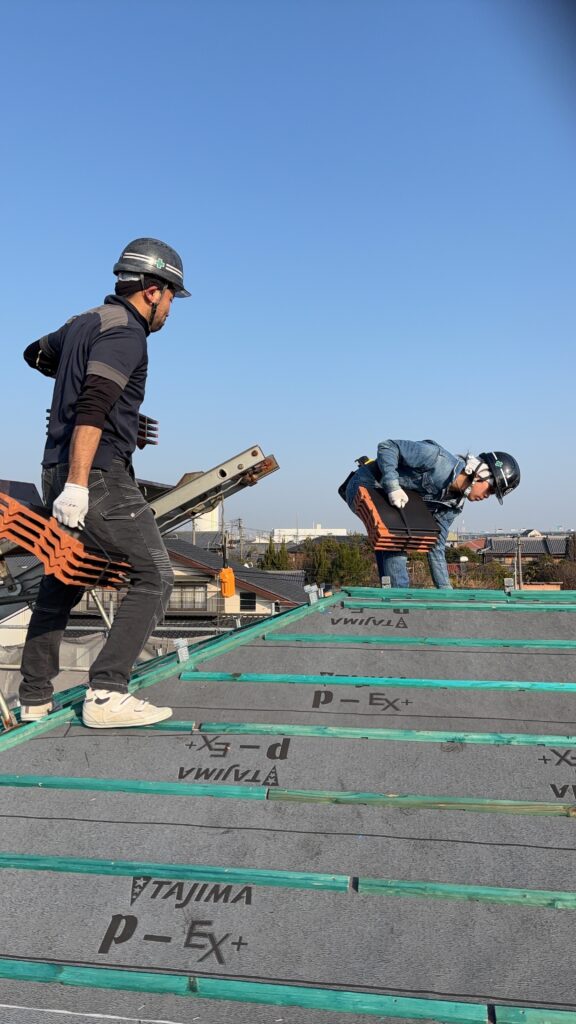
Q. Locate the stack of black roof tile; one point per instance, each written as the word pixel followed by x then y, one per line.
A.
pixel 412 528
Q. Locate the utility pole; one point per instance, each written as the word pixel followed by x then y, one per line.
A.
pixel 222 525
pixel 518 582
pixel 241 540
pixel 224 566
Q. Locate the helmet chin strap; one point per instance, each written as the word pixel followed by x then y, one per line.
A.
pixel 476 470
pixel 476 478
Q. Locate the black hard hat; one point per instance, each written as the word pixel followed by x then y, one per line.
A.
pixel 153 257
pixel 505 472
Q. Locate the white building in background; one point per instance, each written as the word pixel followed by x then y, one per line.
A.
pixel 296 534
pixel 208 522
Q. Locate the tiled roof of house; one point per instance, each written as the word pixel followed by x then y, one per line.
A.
pixel 25 492
pixel 285 587
pixel 528 545
pixel 473 545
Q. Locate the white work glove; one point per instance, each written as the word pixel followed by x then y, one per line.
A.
pixel 398 498
pixel 71 506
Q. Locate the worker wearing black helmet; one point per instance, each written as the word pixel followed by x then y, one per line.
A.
pixel 99 363
pixel 444 481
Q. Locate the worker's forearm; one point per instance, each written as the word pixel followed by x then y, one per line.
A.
pixel 387 458
pixel 83 448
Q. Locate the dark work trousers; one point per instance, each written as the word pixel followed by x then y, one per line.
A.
pixel 121 521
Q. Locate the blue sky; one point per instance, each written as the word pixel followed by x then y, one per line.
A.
pixel 374 202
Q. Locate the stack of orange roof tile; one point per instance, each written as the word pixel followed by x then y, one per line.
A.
pixel 412 528
pixel 63 555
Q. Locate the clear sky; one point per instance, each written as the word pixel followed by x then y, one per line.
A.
pixel 375 205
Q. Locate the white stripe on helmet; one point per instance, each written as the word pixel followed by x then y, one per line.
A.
pixel 151 261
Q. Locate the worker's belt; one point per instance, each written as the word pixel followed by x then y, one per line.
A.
pixel 412 528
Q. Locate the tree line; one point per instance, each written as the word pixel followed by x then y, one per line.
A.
pixel 351 562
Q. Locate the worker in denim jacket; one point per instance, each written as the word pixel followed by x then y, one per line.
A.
pixel 444 480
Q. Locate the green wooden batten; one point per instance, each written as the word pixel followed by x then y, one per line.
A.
pixel 181 872
pixel 425 592
pixel 461 606
pixel 342 1001
pixel 530 1015
pixel 470 893
pixel 137 786
pixel 376 681
pixel 519 739
pixel 464 594
pixel 484 805
pixel 418 641
pixel 314 881
pixel 225 990
pixel 32 730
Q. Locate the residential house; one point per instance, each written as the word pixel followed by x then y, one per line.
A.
pixel 197 593
pixel 504 549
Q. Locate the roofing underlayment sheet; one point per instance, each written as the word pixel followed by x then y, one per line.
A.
pixel 362 809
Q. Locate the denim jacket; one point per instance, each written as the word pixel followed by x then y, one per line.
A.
pixel 425 467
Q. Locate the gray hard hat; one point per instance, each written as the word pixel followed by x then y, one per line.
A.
pixel 152 257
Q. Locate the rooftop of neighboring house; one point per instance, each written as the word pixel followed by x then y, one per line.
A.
pixel 24 492
pixel 551 546
pixel 285 587
pixel 476 544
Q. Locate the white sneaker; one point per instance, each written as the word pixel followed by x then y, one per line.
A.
pixel 34 712
pixel 107 709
